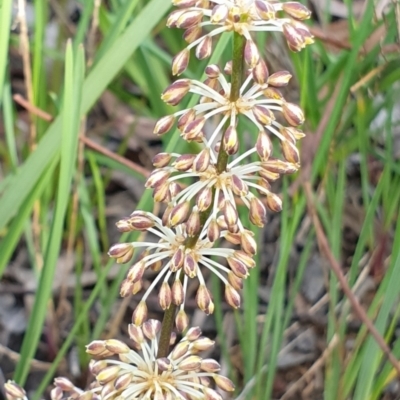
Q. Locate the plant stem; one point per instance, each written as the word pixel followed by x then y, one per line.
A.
pixel 222 161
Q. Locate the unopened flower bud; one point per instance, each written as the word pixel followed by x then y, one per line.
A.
pixel 161 160
pixel 228 68
pixel 193 33
pixel 181 321
pixel 189 19
pixel 263 114
pixel 123 381
pixel 135 273
pixel 238 267
pixel 224 383
pixel 14 391
pixel 175 92
pixel 263 146
pixel 257 212
pixel 140 314
pixel 290 152
pixel 265 10
pixel 164 296
pixel 190 265
pixel 204 198
pixel 293 114
pixel 177 260
pixel 193 224
pixel 230 140
pixel 230 214
pixel 108 374
pixel 232 296
pixel 296 10
pixel 116 346
pixel 213 71
pixel 294 38
pixel 122 252
pixel 203 299
pixel 272 93
pixel 184 162
pixel 136 333
pixel 151 328
pixel 213 231
pixel 204 48
pixel 177 293
pixel 260 72
pixel 179 214
pixel 94 348
pixel 279 79
pixel 245 258
pixel 248 243
pixel 219 13
pixel 274 203
pixel 235 281
pixel 191 363
pixel 164 125
pixel 179 64
pixel 157 177
pixel 202 160
pixel 251 54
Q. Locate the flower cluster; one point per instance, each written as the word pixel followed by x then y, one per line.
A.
pixel 201 230
pixel 241 16
pixel 140 374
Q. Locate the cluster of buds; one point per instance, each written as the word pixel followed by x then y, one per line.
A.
pixel 241 16
pixel 140 374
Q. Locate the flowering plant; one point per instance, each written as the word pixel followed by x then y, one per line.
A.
pixel 201 193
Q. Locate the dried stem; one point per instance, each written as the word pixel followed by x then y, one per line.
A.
pixel 237 76
pixel 336 268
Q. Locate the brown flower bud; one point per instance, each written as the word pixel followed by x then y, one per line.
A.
pixel 180 350
pixel 191 363
pixel 164 125
pixel 268 175
pixel 260 72
pixel 122 252
pixel 238 267
pixel 94 348
pixel 151 328
pixel 194 127
pixel 179 64
pixel 136 334
pixel 228 68
pixel 274 203
pixel 257 212
pixel 161 160
pixel 135 273
pixel 290 152
pixel 251 54
pixel 202 160
pixel 164 364
pixel 161 193
pixel 184 3
pixel 181 321
pixel 233 238
pixel 108 374
pixel 230 213
pixel 263 114
pixel 173 18
pixel 204 48
pixel 203 300
pixel 235 281
pixel 186 118
pixel 219 14
pixel 263 146
pixel 123 381
pixel 202 344
pixel 230 140
pixel 177 260
pixel 239 187
pixel 213 231
pixel 296 10
pixel 204 198
pixel 293 114
pixel 224 383
pixel 248 244
pixel 279 79
pixel 137 287
pixel 184 162
pixel 232 296
pixel 272 93
pixel 175 92
pixel 193 33
pixel 140 314
pixel 14 391
pixel 278 166
pixel 189 19
pixel 179 214
pixel 141 221
pixel 193 334
pixel 190 265
pixel 244 258
pixel 116 346
pixel 293 133
pixel 265 10
pixel 178 295
pixel 294 37
pixel 126 288
pixel 164 296
pixel 213 71
pixel 157 177
pixel 193 224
